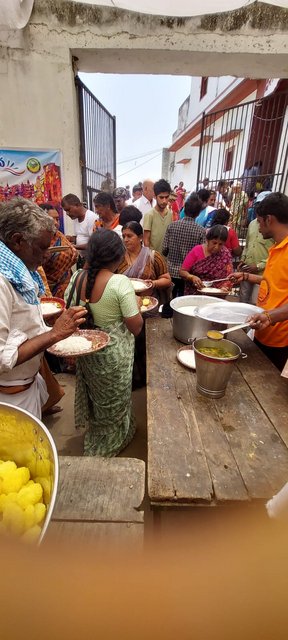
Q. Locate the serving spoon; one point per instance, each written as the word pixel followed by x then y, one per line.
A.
pixel 207 283
pixel 219 335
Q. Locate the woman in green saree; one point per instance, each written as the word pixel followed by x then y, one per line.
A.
pixel 104 378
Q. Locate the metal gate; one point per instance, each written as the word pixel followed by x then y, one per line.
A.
pixel 97 142
pixel 247 142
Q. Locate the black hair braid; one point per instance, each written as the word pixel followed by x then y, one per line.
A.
pixel 91 276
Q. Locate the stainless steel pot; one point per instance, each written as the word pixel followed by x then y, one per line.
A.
pixel 186 328
pixel 25 440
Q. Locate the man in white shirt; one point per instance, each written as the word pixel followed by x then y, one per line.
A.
pixel 83 219
pixel 137 192
pixel 147 200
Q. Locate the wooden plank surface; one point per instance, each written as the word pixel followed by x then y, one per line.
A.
pixel 100 490
pixel 100 534
pixel 205 450
pixel 265 381
pixel 176 458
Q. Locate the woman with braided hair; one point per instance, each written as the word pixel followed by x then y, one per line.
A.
pixel 104 378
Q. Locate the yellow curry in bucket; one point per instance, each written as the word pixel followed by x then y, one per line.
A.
pixel 215 352
pixel 28 481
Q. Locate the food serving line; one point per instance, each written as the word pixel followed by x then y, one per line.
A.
pixel 207 451
pixel 207 444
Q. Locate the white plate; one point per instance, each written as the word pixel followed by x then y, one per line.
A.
pixel 186 356
pixel 228 312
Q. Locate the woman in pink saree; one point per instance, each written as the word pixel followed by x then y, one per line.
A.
pixel 208 261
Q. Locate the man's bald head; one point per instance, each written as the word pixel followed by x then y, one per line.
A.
pixel 148 189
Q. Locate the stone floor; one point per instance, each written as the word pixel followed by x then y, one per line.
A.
pixel 69 441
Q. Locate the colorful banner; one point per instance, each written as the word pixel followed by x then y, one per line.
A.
pixel 35 175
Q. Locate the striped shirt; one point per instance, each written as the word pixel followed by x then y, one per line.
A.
pixel 180 237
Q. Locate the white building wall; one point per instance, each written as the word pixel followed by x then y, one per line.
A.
pixel 186 172
pixel 215 87
pixel 215 151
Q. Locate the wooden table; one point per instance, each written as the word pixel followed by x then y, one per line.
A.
pixel 100 500
pixel 203 451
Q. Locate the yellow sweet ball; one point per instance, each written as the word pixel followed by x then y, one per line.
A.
pixel 15 479
pixel 29 516
pixel 30 495
pixel 4 499
pixel 21 500
pixel 6 467
pixel 13 518
pixel 39 512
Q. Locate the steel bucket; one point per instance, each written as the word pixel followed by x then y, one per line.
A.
pixel 186 328
pixel 25 440
pixel 213 374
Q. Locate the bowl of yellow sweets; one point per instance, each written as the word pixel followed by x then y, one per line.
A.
pixel 29 473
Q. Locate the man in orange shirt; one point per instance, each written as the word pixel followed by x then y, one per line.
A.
pixel 272 215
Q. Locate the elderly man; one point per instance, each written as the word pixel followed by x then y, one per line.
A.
pixel 147 201
pixel 25 235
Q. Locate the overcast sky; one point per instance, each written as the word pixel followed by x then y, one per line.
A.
pixel 146 110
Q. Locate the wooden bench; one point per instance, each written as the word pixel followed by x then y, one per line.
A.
pixel 100 500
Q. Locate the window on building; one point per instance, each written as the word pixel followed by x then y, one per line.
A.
pixel 228 159
pixel 203 88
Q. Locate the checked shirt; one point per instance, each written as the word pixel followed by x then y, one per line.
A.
pixel 180 237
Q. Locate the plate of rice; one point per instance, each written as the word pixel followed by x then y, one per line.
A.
pixel 51 307
pixel 138 285
pixel 81 343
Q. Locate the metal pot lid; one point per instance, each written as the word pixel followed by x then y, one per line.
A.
pixel 227 312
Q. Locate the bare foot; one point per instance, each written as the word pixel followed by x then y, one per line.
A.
pixel 51 410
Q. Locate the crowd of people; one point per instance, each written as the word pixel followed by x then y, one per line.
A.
pixel 173 239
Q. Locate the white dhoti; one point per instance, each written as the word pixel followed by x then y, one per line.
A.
pixel 31 399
